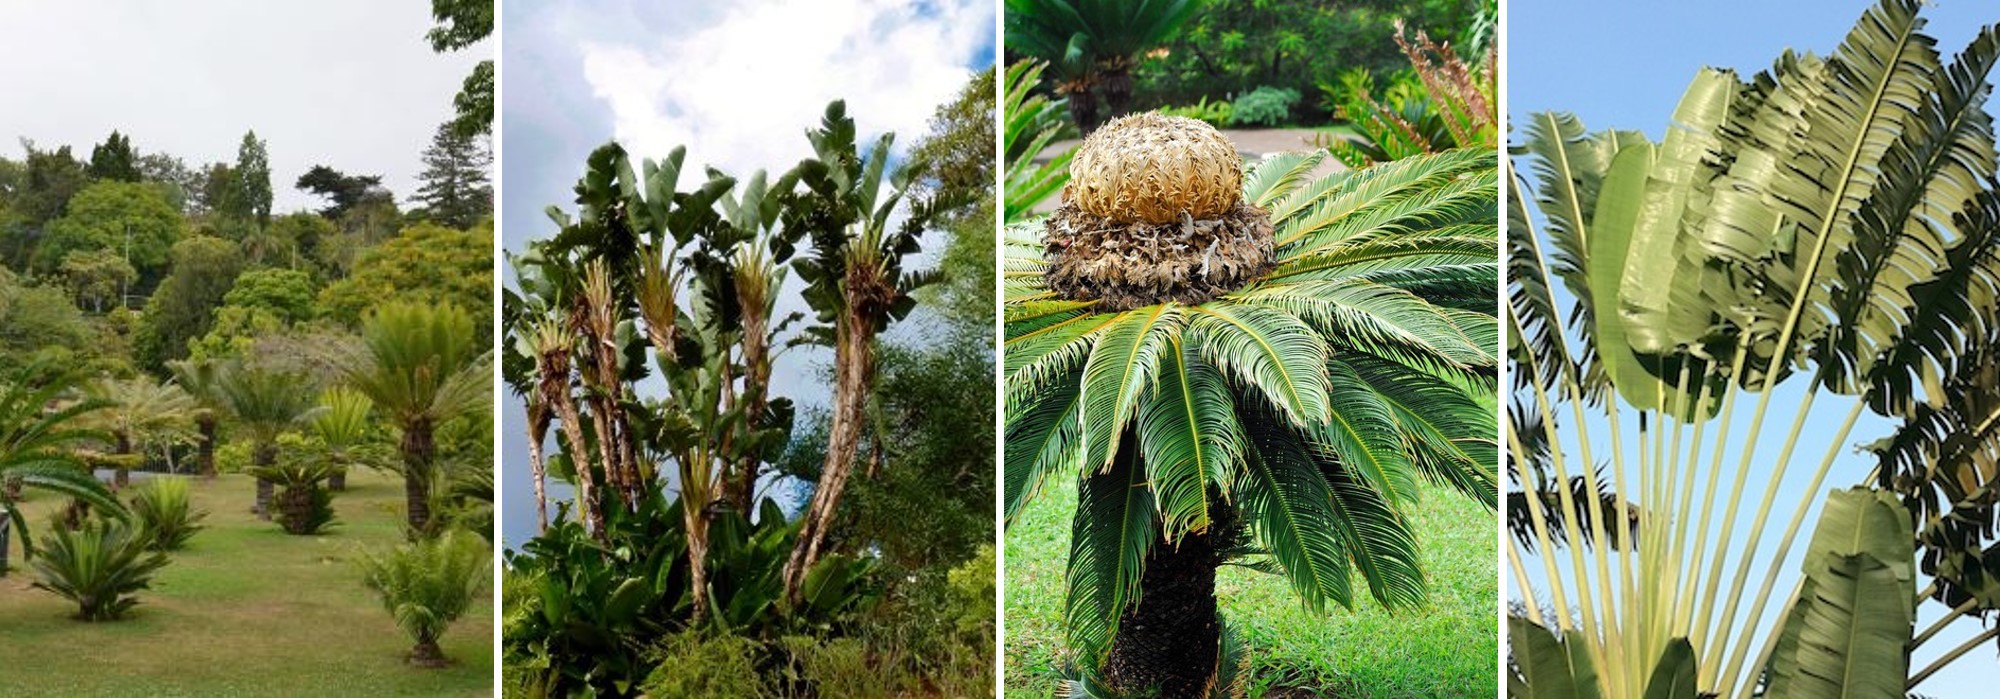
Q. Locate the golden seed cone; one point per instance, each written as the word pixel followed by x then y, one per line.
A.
pixel 1152 168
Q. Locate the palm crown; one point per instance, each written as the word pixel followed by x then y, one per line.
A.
pixel 1307 405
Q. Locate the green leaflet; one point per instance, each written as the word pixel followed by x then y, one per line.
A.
pixel 1849 630
pixel 1548 666
pixel 1113 529
pixel 1674 674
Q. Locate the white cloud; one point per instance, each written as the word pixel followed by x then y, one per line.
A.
pixel 741 92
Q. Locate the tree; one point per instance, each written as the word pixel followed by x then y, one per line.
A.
pixel 1093 46
pixel 462 23
pixel 52 178
pixel 97 278
pixel 218 192
pixel 1654 285
pixel 138 413
pixel 1279 379
pixel 426 264
pixel 455 190
pixel 856 283
pixel 131 219
pixel 265 403
pixel 261 302
pixel 114 160
pixel 203 381
pixel 183 307
pixel 421 366
pixel 301 235
pixel 953 164
pixel 39 323
pixel 248 185
pixel 181 185
pixel 342 191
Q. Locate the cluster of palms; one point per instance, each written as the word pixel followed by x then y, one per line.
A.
pixel 1093 45
pixel 1824 232
pixel 1285 425
pixel 415 368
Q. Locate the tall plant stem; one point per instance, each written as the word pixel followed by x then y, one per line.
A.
pixel 1521 582
pixel 1792 528
pixel 1950 656
pixel 1948 620
pixel 1690 597
pixel 1544 543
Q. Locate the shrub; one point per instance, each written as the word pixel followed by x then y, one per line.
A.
pixel 305 506
pixel 99 566
pixel 1264 106
pixel 839 667
pixel 427 585
pixel 166 520
pixel 1215 113
pixel 690 665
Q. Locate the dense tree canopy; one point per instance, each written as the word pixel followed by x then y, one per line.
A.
pixel 455 189
pixel 132 219
pixel 426 264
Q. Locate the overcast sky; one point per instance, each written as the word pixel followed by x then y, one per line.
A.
pixel 737 83
pixel 352 84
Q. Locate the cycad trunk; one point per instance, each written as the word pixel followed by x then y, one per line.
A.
pixel 264 454
pixel 337 480
pixel 205 456
pixel 418 450
pixel 427 654
pixel 1172 639
pixel 123 475
pixel 1083 109
pixel 854 366
pixel 1116 86
pixel 295 508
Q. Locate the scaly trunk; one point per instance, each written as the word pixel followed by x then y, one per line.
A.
pixel 205 421
pixel 1083 109
pixel 1116 86
pixel 295 508
pixel 123 475
pixel 264 454
pixel 427 655
pixel 337 480
pixel 418 449
pixel 695 516
pixel 538 430
pixel 854 365
pixel 1172 639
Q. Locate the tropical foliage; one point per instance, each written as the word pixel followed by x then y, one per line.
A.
pixel 99 566
pixel 1093 46
pixel 1820 232
pixel 428 584
pixel 1285 425
pixel 164 516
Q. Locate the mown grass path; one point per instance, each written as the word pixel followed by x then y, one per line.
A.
pixel 245 610
pixel 1447 649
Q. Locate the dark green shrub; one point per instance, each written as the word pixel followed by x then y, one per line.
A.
pixel 1215 113
pixel 428 584
pixel 163 513
pixel 305 505
pixel 1264 106
pixel 841 667
pixel 99 566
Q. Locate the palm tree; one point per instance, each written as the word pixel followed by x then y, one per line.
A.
pixel 201 379
pixel 42 424
pixel 856 283
pixel 1094 45
pixel 265 403
pixel 421 366
pixel 1271 373
pixel 343 425
pixel 1823 232
pixel 138 412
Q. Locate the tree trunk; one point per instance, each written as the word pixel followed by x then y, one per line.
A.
pixel 854 365
pixel 295 508
pixel 427 655
pixel 10 489
pixel 6 527
pixel 337 480
pixel 555 389
pixel 122 475
pixel 418 447
pixel 1083 110
pixel 205 457
pixel 695 516
pixel 1172 639
pixel 264 454
pixel 1116 85
pixel 538 430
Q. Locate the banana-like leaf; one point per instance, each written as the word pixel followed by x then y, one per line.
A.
pixel 1547 666
pixel 1674 673
pixel 1849 630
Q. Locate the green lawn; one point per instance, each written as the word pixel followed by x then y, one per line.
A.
pixel 1448 649
pixel 245 610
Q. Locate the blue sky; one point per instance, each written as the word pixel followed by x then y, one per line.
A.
pixel 1624 65
pixel 737 83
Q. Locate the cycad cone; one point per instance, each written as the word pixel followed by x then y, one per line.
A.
pixel 1151 168
pixel 1154 212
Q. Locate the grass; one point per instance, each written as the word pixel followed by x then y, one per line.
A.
pixel 1447 649
pixel 244 610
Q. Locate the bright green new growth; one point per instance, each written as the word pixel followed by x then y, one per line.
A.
pixel 428 584
pixel 166 520
pixel 99 566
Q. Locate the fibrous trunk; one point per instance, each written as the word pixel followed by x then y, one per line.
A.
pixel 554 368
pixel 265 454
pixel 123 475
pixel 854 364
pixel 1172 639
pixel 1083 109
pixel 538 430
pixel 427 654
pixel 1116 86
pixel 418 449
pixel 295 508
pixel 205 454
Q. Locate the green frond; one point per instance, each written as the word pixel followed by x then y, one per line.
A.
pixel 1043 436
pixel 1120 369
pixel 1449 435
pixel 1190 440
pixel 1291 513
pixel 1276 354
pixel 1376 318
pixel 1279 175
pixel 1113 530
pixel 1364 437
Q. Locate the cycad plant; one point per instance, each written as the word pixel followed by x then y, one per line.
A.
pixel 163 513
pixel 1230 367
pixel 1093 46
pixel 43 423
pixel 265 403
pixel 141 412
pixel 1822 232
pixel 420 365
pixel 98 566
pixel 428 584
